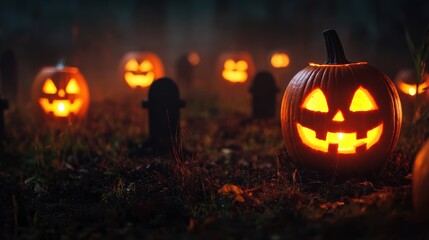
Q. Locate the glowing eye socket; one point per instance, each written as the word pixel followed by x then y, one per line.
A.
pixel 132 65
pixel 316 101
pixel 146 66
pixel 362 101
pixel 242 65
pixel 49 87
pixel 72 87
pixel 229 64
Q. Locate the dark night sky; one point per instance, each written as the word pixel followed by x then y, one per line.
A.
pixel 93 35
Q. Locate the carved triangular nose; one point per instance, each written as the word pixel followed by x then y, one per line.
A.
pixel 338 117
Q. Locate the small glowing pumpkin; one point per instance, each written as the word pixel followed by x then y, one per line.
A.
pixel 279 59
pixel 340 115
pixel 236 67
pixel 140 69
pixel 420 183
pixel 405 81
pixel 60 92
pixel 194 58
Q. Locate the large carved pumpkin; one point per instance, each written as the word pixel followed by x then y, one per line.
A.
pixel 140 69
pixel 60 92
pixel 340 115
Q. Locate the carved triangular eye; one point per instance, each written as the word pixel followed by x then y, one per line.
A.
pixel 72 87
pixel 146 66
pixel 229 64
pixel 362 101
pixel 241 65
pixel 316 101
pixel 49 87
pixel 132 65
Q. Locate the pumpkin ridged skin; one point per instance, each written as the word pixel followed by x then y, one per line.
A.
pixel 339 82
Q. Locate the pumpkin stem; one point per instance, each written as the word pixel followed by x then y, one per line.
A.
pixel 334 48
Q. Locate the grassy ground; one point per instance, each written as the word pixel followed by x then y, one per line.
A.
pixel 226 180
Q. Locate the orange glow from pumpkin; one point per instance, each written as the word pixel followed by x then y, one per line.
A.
pixel 139 75
pixel 336 65
pixel 61 108
pixel 346 142
pixel 280 60
pixel 139 80
pixel 60 91
pixel 73 87
pixel 316 101
pixel 132 65
pixel 235 72
pixel 49 87
pixel 194 58
pixel 146 66
pixel 362 101
pixel 410 89
pixel 338 117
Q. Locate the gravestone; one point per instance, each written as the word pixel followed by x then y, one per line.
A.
pixel 264 95
pixel 163 105
pixel 9 75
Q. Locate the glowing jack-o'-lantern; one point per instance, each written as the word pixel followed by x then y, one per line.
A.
pixel 404 81
pixel 193 58
pixel 140 69
pixel 346 142
pixel 279 60
pixel 236 67
pixel 61 92
pixel 340 115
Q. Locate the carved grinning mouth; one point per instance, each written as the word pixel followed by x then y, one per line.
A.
pixel 61 108
pixel 234 76
pixel 338 142
pixel 139 80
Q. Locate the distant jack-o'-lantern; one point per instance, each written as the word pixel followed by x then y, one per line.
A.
pixel 405 81
pixel 279 60
pixel 236 67
pixel 340 115
pixel 140 69
pixel 193 58
pixel 61 92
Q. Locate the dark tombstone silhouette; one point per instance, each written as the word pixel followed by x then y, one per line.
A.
pixel 184 71
pixel 9 75
pixel 264 91
pixel 3 106
pixel 164 106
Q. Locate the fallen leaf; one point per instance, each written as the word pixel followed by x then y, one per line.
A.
pixel 230 189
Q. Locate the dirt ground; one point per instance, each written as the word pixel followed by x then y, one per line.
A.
pixel 229 178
